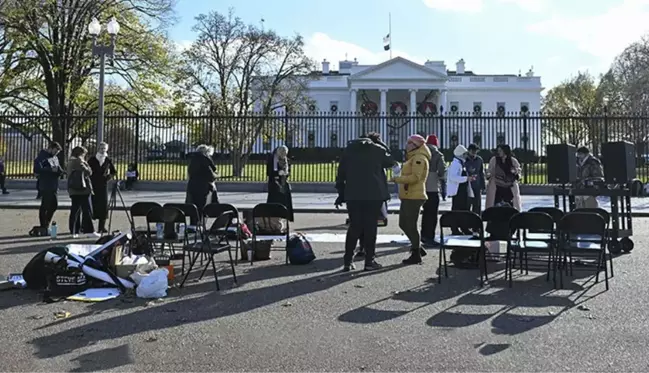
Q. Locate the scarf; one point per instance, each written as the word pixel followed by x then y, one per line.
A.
pixel 101 158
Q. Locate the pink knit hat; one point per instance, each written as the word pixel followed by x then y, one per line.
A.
pixel 417 140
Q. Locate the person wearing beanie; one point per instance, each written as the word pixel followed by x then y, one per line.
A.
pixel 412 192
pixel 436 174
pixel 457 186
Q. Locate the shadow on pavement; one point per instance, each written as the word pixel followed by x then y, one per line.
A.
pixel 106 359
pixel 210 306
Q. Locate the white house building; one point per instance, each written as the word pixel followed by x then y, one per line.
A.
pixel 399 97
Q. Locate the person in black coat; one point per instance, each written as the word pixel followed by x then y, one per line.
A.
pixel 202 179
pixel 277 170
pixel 103 170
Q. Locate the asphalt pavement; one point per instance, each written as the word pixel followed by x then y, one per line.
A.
pixel 315 318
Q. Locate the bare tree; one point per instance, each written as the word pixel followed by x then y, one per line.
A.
pixel 574 112
pixel 52 35
pixel 233 69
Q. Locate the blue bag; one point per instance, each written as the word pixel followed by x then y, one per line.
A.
pixel 299 250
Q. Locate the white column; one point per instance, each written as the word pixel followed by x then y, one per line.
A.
pixel 413 111
pixel 442 101
pixel 353 108
pixel 384 113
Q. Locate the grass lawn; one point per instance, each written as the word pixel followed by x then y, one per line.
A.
pixel 254 172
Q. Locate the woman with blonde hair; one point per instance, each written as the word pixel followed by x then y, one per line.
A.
pixel 202 177
pixel 80 191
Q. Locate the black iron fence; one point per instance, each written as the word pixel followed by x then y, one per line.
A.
pixel 159 143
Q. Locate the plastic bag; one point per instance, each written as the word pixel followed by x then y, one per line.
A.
pixel 154 285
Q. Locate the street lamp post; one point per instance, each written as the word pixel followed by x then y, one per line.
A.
pixel 102 51
pixel 605 101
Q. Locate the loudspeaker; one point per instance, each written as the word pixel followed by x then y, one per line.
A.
pixel 561 163
pixel 618 159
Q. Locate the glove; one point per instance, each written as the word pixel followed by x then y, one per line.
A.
pixel 339 201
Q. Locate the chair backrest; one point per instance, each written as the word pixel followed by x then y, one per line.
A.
pixel 584 223
pixel 270 210
pixel 214 210
pixel 466 219
pixel 596 210
pixel 532 221
pixel 223 222
pixel 141 209
pixel 189 209
pixel 165 214
pixel 554 212
pixel 498 214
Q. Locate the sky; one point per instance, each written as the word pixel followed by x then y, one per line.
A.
pixel 557 38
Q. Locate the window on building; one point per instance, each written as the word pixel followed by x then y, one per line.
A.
pixel 310 137
pixel 500 109
pixel 333 139
pixel 454 107
pixel 500 138
pixel 477 109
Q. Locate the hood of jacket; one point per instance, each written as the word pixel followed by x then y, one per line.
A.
pixel 420 151
pixel 434 152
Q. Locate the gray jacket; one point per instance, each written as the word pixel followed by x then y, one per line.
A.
pixel 436 170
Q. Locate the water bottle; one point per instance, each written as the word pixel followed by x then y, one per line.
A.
pixel 160 230
pixel 53 230
pixel 181 231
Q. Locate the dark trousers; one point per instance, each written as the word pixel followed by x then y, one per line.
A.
pixel 460 203
pixel 362 223
pixel 408 218
pixel 429 216
pixel 128 185
pixel 49 204
pixel 475 203
pixel 3 179
pixel 38 188
pixel 80 215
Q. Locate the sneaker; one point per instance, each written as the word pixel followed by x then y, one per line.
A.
pixel 93 235
pixel 372 266
pixel 412 259
pixel 75 235
pixel 349 267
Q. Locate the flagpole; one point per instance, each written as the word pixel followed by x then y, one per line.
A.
pixel 390 32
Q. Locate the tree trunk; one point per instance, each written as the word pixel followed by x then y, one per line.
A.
pixel 238 164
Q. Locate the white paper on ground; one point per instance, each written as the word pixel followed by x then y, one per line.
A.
pixel 95 295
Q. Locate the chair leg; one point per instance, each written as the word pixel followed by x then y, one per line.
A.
pixel 445 264
pixel 610 259
pixel 192 261
pixel 508 269
pixel 527 265
pixel 484 265
pixel 216 278
pixel 605 269
pixel 182 262
pixel 439 267
pixel 210 258
pixel 234 273
pixel 547 277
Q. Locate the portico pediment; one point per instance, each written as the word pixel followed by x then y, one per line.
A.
pixel 399 69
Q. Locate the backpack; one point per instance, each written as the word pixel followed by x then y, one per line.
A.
pixel 299 250
pixel 34 273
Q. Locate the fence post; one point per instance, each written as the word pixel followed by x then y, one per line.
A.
pixel 525 148
pixel 136 147
pixel 605 139
pixel 441 128
pixel 210 136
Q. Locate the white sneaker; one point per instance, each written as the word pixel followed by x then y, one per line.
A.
pixel 94 235
pixel 75 236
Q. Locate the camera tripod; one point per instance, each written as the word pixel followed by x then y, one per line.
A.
pixel 112 205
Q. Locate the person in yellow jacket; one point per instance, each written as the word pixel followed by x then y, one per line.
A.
pixel 412 192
